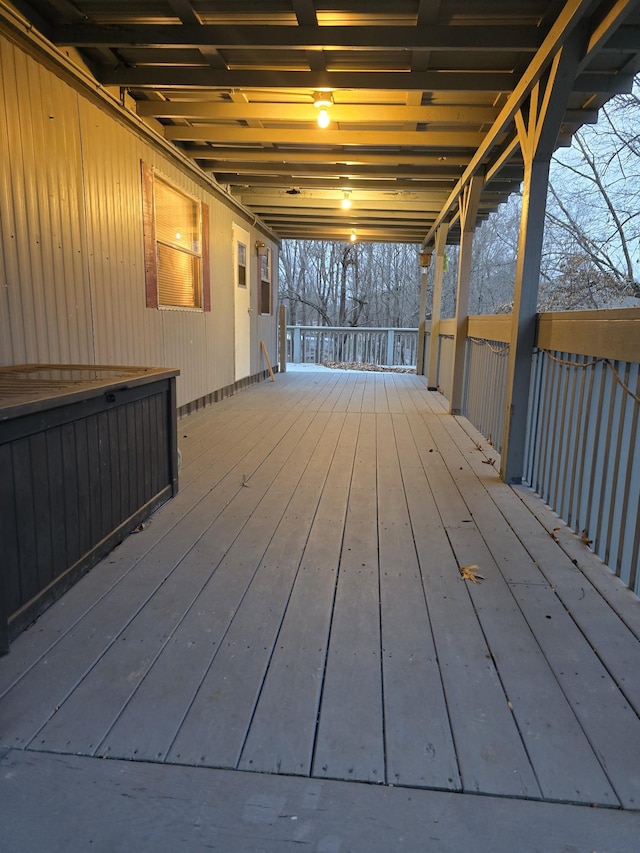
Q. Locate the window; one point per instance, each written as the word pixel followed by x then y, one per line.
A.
pixel 265 280
pixel 176 242
pixel 242 265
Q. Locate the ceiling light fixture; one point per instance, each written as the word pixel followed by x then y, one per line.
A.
pixel 345 204
pixel 353 237
pixel 322 101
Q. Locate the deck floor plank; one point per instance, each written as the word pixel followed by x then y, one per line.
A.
pixel 418 740
pixel 349 742
pixel 538 701
pixel 214 729
pixel 575 646
pixel 298 609
pixel 282 733
pixel 188 657
pixel 491 754
pixel 341 402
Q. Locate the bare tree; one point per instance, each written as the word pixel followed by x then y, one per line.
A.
pixel 346 284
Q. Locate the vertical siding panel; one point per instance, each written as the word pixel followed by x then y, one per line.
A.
pixel 11 345
pixel 48 317
pixel 22 289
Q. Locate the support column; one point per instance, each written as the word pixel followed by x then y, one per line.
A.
pixel 469 203
pixel 538 130
pixel 283 339
pixel 297 345
pixel 436 307
pixel 422 323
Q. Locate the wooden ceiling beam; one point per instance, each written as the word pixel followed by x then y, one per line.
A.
pixel 256 37
pixel 320 155
pixel 266 171
pixel 179 76
pixel 282 112
pixel 297 182
pixel 288 136
pixel 431 203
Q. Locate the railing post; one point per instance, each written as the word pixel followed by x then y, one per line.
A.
pixel 297 341
pixel 434 343
pixel 422 324
pixel 390 340
pixel 283 339
pixel 469 204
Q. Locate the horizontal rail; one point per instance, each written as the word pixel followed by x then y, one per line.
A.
pixel 606 334
pixel 361 345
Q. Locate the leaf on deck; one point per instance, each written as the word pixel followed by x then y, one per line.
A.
pixel 585 537
pixel 471 573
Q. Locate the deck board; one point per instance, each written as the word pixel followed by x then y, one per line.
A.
pixel 532 688
pixel 491 754
pixel 298 609
pixel 349 743
pixel 282 733
pixel 214 729
pixel 418 740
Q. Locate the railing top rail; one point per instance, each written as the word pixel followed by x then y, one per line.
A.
pixel 355 328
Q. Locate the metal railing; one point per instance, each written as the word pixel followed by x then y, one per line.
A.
pixel 485 383
pixel 583 454
pixel 583 435
pixel 331 344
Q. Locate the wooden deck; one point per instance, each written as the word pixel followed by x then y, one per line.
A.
pixel 298 609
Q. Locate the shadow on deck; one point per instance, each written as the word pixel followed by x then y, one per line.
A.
pixel 298 613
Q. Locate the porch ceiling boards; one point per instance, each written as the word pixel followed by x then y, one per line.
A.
pixel 418 86
pixel 299 610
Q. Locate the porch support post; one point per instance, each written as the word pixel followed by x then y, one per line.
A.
pixel 297 345
pixel 469 203
pixel 422 323
pixel 283 338
pixel 438 273
pixel 538 124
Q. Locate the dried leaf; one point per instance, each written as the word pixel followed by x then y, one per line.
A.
pixel 510 704
pixel 585 537
pixel 478 446
pixel 470 573
pixel 245 481
pixel 553 534
pixel 488 461
pixel 489 442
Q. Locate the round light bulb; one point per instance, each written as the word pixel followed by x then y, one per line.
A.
pixel 346 203
pixel 323 118
pixel 353 237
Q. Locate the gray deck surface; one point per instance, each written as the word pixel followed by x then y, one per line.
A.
pixel 296 615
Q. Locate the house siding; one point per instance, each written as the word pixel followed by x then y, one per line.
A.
pixel 72 252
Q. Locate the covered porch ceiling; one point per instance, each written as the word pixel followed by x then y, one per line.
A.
pixel 424 95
